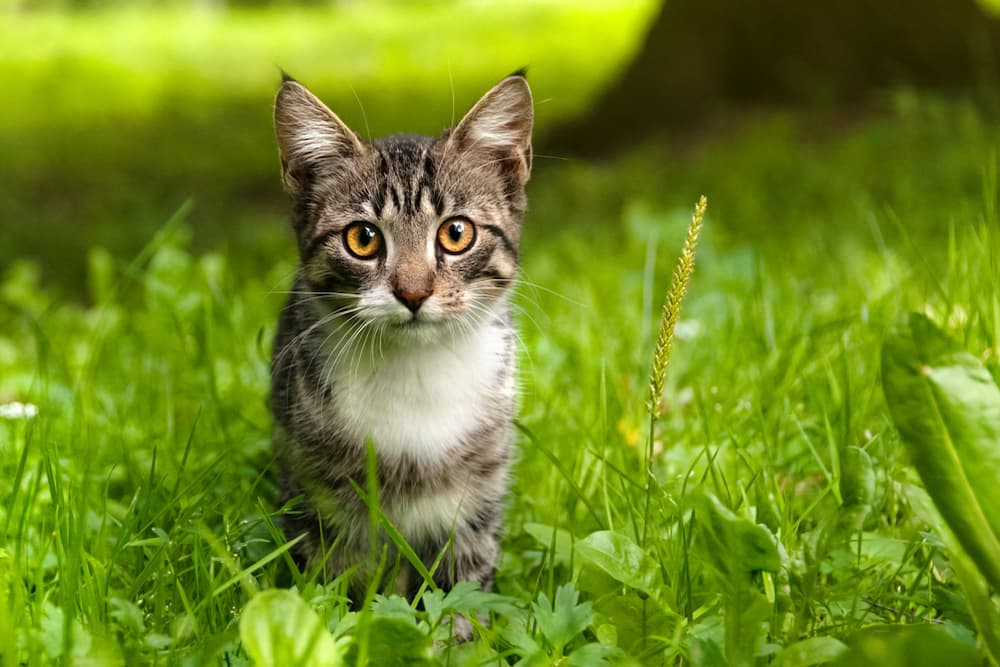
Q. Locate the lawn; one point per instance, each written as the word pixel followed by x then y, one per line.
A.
pixel 782 521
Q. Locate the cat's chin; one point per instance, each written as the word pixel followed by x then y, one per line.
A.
pixel 418 330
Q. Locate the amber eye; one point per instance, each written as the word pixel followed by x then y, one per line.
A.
pixel 363 240
pixel 456 235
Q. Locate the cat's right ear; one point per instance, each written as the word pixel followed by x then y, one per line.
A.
pixel 312 140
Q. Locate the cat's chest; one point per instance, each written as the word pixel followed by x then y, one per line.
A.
pixel 424 400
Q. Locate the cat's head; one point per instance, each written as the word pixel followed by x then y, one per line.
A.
pixel 412 234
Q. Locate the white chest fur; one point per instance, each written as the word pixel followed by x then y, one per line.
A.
pixel 421 399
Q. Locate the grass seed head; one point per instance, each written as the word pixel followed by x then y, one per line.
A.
pixel 672 308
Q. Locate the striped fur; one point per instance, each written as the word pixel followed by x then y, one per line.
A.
pixel 433 387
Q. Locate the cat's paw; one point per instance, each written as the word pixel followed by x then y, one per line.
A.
pixel 461 629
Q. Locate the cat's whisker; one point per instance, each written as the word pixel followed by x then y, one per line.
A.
pixel 519 297
pixel 536 286
pixel 347 295
pixel 285 278
pixel 299 339
pixel 321 348
pixel 521 310
pixel 332 360
pixel 346 319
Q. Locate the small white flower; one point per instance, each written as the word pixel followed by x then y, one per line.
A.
pixel 18 410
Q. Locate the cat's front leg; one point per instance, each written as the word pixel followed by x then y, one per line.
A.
pixel 471 556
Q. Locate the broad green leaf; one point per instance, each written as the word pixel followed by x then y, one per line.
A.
pixel 918 645
pixel 812 651
pixel 128 615
pixel 466 598
pixel 736 547
pixel 591 655
pixel 394 642
pixel 86 649
pixel 433 602
pixel 857 478
pixel 978 597
pixel 561 541
pixel 279 629
pixel 620 558
pixel 620 616
pixel 517 635
pixel 394 605
pixel 707 639
pixel 947 409
pixel 563 619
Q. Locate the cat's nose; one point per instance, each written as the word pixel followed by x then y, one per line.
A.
pixel 412 298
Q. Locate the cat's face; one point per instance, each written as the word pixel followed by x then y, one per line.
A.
pixel 415 235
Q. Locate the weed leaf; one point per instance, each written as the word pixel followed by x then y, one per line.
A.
pixel 620 558
pixel 556 539
pixel 394 606
pixel 591 655
pixel 562 620
pixel 392 642
pixel 947 409
pixel 907 646
pixel 734 546
pixel 736 549
pixel 812 651
pixel 857 478
pixel 279 629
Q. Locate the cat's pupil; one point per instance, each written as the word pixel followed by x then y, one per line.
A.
pixel 455 230
pixel 366 236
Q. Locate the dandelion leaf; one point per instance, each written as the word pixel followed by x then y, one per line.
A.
pixel 946 406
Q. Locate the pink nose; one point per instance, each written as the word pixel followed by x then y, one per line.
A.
pixel 412 299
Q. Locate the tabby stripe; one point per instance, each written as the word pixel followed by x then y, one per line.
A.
pixel 495 275
pixel 438 202
pixel 430 169
pixel 315 245
pixel 504 239
pixel 378 202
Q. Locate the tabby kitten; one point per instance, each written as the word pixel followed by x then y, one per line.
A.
pixel 398 332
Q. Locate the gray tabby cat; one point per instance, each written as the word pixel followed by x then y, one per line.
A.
pixel 398 331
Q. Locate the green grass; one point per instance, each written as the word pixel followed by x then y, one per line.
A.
pixel 139 513
pixel 137 508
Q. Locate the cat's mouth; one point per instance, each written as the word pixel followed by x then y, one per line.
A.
pixel 416 323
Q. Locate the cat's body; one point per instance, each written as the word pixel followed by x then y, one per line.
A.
pixel 398 332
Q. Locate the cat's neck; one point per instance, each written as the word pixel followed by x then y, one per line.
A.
pixel 422 397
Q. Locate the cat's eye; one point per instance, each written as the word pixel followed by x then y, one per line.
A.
pixel 456 235
pixel 363 239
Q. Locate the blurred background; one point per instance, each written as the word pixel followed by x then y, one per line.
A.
pixel 848 150
pixel 118 114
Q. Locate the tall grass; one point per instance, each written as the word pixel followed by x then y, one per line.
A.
pixel 137 507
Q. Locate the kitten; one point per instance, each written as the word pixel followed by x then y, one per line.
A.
pixel 398 332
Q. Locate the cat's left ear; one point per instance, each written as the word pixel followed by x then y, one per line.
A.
pixel 311 139
pixel 497 129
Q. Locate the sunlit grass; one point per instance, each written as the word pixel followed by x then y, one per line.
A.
pixel 137 495
pixel 124 115
pixel 138 507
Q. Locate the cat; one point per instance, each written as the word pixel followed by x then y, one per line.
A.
pixel 398 332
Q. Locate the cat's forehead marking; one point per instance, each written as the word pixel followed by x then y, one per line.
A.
pixel 405 171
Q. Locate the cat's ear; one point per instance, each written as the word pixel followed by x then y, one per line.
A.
pixel 497 130
pixel 311 139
